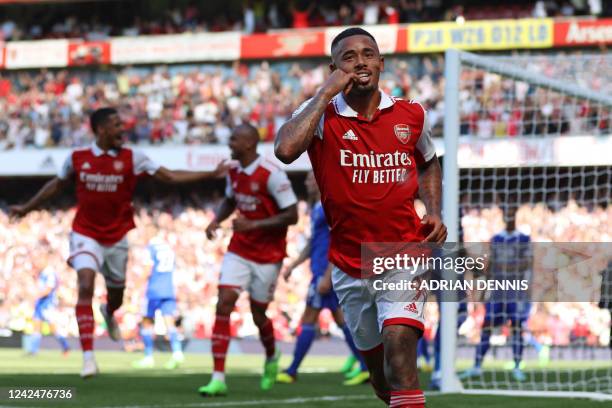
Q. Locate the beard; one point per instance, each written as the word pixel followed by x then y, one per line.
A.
pixel 360 90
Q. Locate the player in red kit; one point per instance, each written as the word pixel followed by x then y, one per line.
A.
pixel 266 206
pixel 371 155
pixel 105 176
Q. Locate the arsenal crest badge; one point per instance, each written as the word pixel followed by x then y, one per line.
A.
pixel 402 132
pixel 254 187
pixel 118 165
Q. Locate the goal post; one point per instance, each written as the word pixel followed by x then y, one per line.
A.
pixel 450 199
pixel 537 128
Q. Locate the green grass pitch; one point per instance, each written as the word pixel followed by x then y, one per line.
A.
pixel 119 385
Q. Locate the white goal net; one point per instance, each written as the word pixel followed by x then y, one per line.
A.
pixel 531 136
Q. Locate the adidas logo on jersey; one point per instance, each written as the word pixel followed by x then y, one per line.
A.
pixel 412 308
pixel 86 166
pixel 350 135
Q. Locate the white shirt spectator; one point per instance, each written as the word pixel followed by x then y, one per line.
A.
pixel 76 107
pixel 8 28
pixel 78 137
pixel 547 109
pixel 222 133
pixel 234 103
pixel 22 134
pixel 42 109
pixel 595 7
pixel 180 131
pixel 155 107
pixel 74 90
pixel 539 10
pixel 370 13
pixel 206 112
pixel 41 135
pixel 484 127
pixel 195 134
pixel 249 20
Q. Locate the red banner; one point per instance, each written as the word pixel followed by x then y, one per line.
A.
pixel 402 40
pixel 88 53
pixel 299 43
pixel 586 32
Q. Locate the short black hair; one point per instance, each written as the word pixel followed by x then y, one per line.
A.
pixel 252 130
pixel 100 116
pixel 349 32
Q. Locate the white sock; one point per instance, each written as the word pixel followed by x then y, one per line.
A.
pixel 177 354
pixel 88 355
pixel 218 375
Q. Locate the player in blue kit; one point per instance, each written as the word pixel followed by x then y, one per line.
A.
pixel 44 310
pixel 320 293
pixel 161 296
pixel 511 259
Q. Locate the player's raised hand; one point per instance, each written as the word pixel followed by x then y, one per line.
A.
pixel 222 168
pixel 211 230
pixel 17 211
pixel 436 228
pixel 338 81
pixel 241 224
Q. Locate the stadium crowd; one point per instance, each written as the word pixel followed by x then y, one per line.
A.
pixel 263 15
pixel 41 239
pixel 189 104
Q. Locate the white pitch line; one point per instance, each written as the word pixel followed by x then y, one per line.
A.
pixel 254 403
pixel 326 398
pixel 15 406
pixel 298 400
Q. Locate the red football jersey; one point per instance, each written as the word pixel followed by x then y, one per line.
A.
pixel 105 183
pixel 366 171
pixel 261 190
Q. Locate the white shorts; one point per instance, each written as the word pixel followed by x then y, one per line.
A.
pixel 111 261
pixel 256 278
pixel 367 311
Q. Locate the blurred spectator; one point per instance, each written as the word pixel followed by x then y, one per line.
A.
pixel 539 10
pixel 198 104
pixel 249 18
pixel 371 11
pixel 260 15
pixel 300 13
pixel 595 7
pixel 43 234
